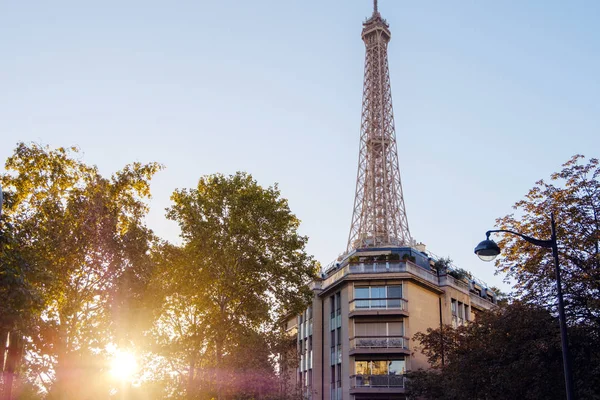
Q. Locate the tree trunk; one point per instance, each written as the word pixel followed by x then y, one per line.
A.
pixel 190 383
pixel 10 365
pixel 219 358
pixel 3 348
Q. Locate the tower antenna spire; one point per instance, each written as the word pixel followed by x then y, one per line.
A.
pixel 375 11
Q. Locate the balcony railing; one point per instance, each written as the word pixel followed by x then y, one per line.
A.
pixel 381 267
pixel 377 381
pixel 379 342
pixel 480 302
pixel 385 303
pixel 456 283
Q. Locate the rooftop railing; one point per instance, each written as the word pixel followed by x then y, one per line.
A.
pixel 380 267
pixel 452 281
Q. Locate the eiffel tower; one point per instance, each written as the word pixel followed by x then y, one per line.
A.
pixel 379 216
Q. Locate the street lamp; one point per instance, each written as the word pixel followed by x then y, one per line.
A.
pixel 487 250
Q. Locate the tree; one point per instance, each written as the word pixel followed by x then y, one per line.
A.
pixel 511 352
pixel 20 302
pixel 86 237
pixel 573 195
pixel 241 266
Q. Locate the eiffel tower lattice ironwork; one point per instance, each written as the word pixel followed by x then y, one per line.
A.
pixel 379 217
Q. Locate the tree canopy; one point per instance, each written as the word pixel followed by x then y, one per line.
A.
pixel 512 352
pixel 573 195
pixel 83 235
pixel 241 267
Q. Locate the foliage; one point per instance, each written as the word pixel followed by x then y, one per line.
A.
pixel 460 273
pixel 84 237
pixel 573 195
pixel 241 267
pixel 442 265
pixel 508 353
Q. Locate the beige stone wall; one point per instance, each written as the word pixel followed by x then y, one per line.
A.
pixel 423 306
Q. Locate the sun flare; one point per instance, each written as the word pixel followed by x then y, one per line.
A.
pixel 123 365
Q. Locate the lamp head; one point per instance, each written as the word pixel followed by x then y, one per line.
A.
pixel 487 250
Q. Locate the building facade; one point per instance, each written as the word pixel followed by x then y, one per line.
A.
pixel 354 341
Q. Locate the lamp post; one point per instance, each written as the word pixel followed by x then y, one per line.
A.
pixel 487 250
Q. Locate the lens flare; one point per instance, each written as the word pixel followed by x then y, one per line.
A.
pixel 123 365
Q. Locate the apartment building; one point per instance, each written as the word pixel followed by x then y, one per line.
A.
pixel 354 341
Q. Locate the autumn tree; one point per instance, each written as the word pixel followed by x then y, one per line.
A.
pixel 242 265
pixel 512 352
pixel 85 235
pixel 573 195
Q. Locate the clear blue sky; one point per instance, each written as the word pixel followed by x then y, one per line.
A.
pixel 489 97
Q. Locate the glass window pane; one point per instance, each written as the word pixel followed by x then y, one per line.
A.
pixel 378 293
pixel 361 367
pixel 394 292
pixel 396 367
pixel 361 292
pixel 379 367
pixel 395 329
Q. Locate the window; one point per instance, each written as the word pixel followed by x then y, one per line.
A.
pixel 380 367
pixel 453 306
pixel 396 367
pixel 378 296
pixel 361 293
pixel 361 367
pixel 394 294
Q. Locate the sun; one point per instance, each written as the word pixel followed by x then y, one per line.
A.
pixel 123 365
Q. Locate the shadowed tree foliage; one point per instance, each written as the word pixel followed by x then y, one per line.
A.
pixel 242 265
pixel 508 353
pixel 85 237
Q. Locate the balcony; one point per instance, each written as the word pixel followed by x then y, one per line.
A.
pixel 449 280
pixel 382 267
pixel 370 384
pixel 379 345
pixel 480 303
pixel 378 306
